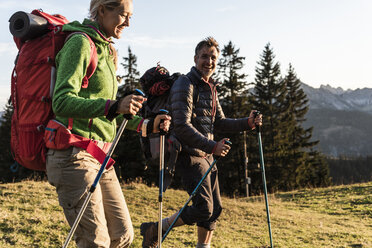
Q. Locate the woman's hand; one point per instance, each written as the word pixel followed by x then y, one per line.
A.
pixel 130 104
pixel 164 125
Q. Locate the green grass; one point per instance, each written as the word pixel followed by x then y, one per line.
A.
pixel 327 217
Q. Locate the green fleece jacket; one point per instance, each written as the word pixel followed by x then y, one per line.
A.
pixel 86 106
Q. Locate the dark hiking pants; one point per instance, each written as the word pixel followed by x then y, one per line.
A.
pixel 206 205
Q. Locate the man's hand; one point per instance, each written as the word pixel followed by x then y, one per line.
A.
pixel 164 125
pixel 253 122
pixel 130 104
pixel 222 149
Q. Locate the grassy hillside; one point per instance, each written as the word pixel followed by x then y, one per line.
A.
pixel 331 217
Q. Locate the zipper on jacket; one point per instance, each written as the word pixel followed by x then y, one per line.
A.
pixel 113 73
pixel 214 104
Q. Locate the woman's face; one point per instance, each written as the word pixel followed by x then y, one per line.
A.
pixel 113 21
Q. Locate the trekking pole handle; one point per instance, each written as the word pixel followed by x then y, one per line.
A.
pixel 228 142
pixel 137 92
pixel 162 112
pixel 255 114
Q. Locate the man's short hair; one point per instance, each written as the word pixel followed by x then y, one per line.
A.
pixel 207 42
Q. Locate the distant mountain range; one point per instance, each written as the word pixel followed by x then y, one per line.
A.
pixel 342 119
pixel 339 99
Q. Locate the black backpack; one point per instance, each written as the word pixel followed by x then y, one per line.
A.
pixel 156 83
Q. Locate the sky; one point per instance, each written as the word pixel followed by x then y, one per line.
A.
pixel 326 41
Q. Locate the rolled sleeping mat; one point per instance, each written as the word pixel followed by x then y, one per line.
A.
pixel 27 26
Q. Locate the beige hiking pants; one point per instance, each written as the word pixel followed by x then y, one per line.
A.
pixel 106 221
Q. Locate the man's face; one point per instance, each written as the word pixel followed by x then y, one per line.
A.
pixel 206 61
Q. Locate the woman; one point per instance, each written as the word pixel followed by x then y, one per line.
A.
pixel 88 113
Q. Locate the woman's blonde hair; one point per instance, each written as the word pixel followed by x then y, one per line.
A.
pixel 94 5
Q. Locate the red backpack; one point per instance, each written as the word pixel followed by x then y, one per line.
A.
pixel 32 86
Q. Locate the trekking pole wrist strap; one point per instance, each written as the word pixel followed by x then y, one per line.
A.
pixel 112 112
pixel 147 127
pixel 144 128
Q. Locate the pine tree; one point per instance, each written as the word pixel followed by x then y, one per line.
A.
pixel 269 98
pixel 129 155
pixel 313 173
pixel 298 138
pixel 234 103
pixel 6 159
pixel 300 154
pixel 131 78
pixel 232 84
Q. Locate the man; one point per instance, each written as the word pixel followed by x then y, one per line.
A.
pixel 196 112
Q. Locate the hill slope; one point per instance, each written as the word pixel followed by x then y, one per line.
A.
pixel 329 217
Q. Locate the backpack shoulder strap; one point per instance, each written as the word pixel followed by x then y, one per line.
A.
pixel 93 58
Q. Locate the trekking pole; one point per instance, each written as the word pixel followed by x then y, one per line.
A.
pixel 192 195
pixel 161 177
pixel 264 178
pixel 100 172
pixel 247 179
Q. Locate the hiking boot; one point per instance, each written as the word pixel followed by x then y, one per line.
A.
pixel 149 231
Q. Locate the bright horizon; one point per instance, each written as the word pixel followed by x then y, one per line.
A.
pixel 327 42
